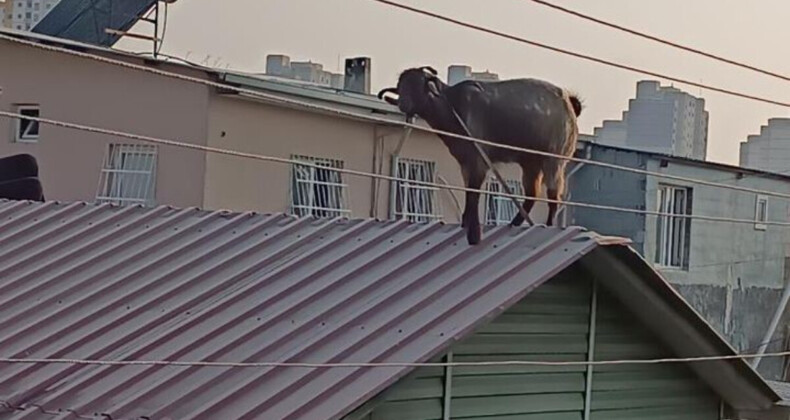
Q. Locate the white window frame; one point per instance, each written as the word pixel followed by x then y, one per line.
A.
pixel 312 196
pixel 500 210
pixel 760 219
pixel 121 185
pixel 19 136
pixel 421 202
pixel 673 233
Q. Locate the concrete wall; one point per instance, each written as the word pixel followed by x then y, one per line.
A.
pixel 736 272
pixel 610 187
pixel 87 92
pixel 737 254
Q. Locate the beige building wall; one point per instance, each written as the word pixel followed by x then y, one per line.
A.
pixel 87 92
pixel 254 127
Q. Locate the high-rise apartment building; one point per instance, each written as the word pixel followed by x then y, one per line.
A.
pixel 769 150
pixel 660 119
pixel 23 15
pixel 458 73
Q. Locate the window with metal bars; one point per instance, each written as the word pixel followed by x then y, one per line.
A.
pixel 128 175
pixel 673 234
pixel 318 191
pixel 415 202
pixel 501 210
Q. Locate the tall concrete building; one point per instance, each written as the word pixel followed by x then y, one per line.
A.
pixel 458 73
pixel 769 150
pixel 23 15
pixel 661 119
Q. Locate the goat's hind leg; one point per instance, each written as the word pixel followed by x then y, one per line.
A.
pixel 532 181
pixel 555 187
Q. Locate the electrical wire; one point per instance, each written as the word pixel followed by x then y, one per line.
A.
pixel 580 55
pixel 660 40
pixel 316 365
pixel 381 120
pixel 209 149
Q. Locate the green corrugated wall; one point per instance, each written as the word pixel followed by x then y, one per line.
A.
pixel 552 324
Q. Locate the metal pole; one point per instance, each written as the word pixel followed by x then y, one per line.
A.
pixel 156 29
pixel 591 350
pixel 772 327
pixel 448 386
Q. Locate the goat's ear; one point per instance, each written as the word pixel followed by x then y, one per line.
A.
pixel 432 88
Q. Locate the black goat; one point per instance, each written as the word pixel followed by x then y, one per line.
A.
pixel 526 113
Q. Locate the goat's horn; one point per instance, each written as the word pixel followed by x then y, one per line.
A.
pixel 430 70
pixel 387 90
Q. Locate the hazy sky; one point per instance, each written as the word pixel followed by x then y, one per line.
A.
pixel 242 32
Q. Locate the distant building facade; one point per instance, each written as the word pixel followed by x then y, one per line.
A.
pixel 769 150
pixel 459 73
pixel 23 15
pixel 281 66
pixel 660 119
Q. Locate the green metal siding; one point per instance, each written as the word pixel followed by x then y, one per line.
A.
pixel 641 391
pixel 552 324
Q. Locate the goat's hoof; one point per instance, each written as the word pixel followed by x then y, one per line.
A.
pixel 474 236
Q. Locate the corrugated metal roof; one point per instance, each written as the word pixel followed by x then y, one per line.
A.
pixel 90 281
pixel 86 20
pixel 97 282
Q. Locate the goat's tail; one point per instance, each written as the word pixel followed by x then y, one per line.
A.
pixel 576 104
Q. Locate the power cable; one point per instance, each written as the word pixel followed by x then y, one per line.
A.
pixel 209 149
pixel 340 365
pixel 580 55
pixel 380 120
pixel 660 40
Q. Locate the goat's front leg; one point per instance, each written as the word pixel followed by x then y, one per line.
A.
pixel 471 214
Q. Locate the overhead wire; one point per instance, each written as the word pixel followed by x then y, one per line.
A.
pixel 579 55
pixel 660 40
pixel 210 149
pixel 383 120
pixel 337 365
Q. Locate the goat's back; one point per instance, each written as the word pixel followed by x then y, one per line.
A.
pixel 528 113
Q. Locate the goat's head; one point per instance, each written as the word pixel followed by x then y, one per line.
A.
pixel 417 91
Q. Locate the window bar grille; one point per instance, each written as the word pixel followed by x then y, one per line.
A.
pixel 501 210
pixel 414 202
pixel 318 191
pixel 128 175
